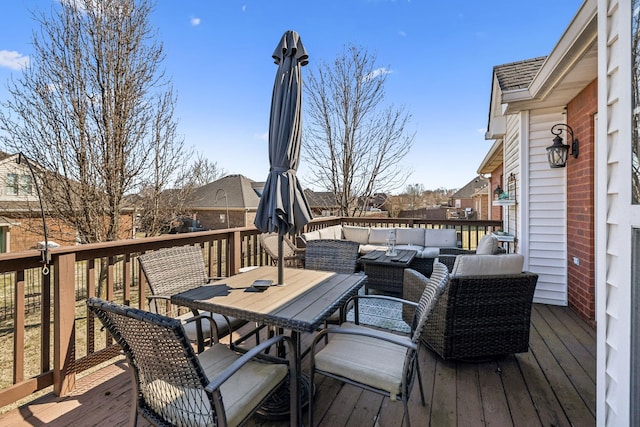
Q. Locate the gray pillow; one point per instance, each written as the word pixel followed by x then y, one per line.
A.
pixel 488 245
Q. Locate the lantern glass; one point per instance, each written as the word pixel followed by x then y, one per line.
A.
pixel 557 153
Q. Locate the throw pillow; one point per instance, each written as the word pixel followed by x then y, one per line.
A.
pixel 488 245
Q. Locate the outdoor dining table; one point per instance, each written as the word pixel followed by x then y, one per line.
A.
pixel 302 304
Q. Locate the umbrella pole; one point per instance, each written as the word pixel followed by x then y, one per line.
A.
pixel 280 259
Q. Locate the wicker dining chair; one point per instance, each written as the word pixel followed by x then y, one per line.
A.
pixel 340 256
pixel 174 386
pixel 291 255
pixel 378 360
pixel 170 271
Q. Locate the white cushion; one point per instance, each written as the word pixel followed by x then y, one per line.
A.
pixel 363 359
pixel 483 265
pixel 440 237
pixel 410 236
pixel 379 236
pixel 488 245
pixel 311 235
pixel 429 253
pixel 333 232
pixel 356 234
pixel 365 249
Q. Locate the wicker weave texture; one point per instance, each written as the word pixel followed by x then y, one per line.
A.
pixel 482 316
pixel 173 270
pixel 290 255
pixel 340 256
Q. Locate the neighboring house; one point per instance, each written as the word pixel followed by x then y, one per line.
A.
pixel 322 203
pixel 231 201
pixel 21 226
pixel 579 226
pixel 470 200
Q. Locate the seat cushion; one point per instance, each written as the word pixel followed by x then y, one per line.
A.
pixel 488 245
pixel 430 252
pixel 223 326
pixel 365 360
pixel 241 393
pixel 484 265
pixel 311 235
pixel 247 387
pixel 333 232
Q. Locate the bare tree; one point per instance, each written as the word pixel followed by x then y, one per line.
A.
pixel 94 109
pixel 353 143
pixel 414 194
pixel 168 193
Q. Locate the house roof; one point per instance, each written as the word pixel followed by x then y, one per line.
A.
pixel 232 191
pixel 519 74
pixel 470 188
pixel 320 199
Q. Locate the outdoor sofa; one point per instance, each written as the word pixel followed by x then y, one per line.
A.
pixel 426 242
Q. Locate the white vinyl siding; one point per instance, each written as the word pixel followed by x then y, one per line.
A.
pixel 615 216
pixel 546 203
pixel 511 165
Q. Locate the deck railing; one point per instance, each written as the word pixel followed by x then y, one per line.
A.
pixel 44 318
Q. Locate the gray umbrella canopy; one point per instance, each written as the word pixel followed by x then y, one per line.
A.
pixel 283 206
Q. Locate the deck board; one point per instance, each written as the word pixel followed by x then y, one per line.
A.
pixel 552 384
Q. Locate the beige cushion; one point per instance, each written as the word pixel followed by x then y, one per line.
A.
pixel 410 236
pixel 333 232
pixel 240 393
pixel 379 236
pixel 482 265
pixel 488 245
pixel 356 234
pixel 311 235
pixel 440 238
pixel 365 360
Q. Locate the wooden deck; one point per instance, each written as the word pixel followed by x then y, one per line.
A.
pixel 554 384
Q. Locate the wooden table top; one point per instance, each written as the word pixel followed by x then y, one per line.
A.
pixel 303 303
pixel 402 258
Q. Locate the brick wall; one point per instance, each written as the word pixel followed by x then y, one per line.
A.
pixel 580 204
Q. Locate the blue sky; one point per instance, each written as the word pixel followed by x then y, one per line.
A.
pixel 440 56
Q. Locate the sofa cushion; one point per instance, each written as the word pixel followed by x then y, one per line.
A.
pixel 488 245
pixel 440 237
pixel 484 265
pixel 311 235
pixel 365 249
pixel 379 236
pixel 333 232
pixel 410 236
pixel 430 252
pixel 356 234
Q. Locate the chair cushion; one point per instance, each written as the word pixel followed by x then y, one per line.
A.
pixel 356 234
pixel 484 265
pixel 379 235
pixel 241 392
pixel 488 245
pixel 247 387
pixel 365 360
pixel 440 237
pixel 190 328
pixel 410 236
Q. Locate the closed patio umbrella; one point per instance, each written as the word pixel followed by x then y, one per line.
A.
pixel 283 206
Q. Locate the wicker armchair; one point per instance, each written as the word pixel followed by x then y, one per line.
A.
pixel 173 270
pixel 292 256
pixel 374 359
pixel 483 314
pixel 174 386
pixel 488 244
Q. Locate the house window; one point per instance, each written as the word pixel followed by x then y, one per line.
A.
pixel 635 86
pixel 19 184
